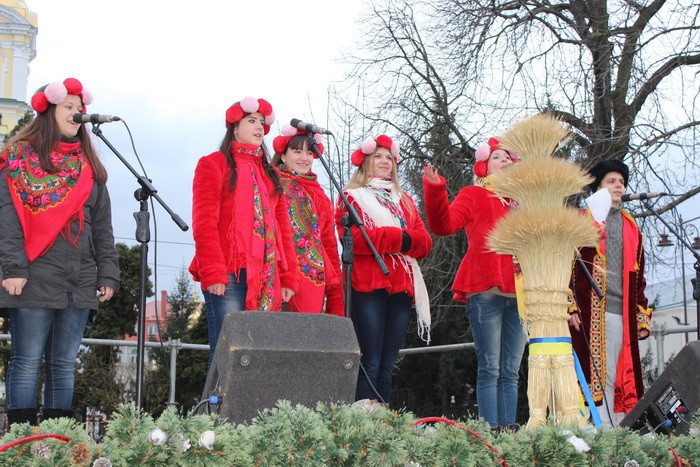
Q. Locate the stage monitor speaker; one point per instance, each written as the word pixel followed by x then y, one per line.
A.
pixel 262 357
pixel 668 405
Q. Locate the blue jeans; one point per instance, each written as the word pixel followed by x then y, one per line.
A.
pixel 53 335
pixel 218 306
pixel 380 321
pixel 499 340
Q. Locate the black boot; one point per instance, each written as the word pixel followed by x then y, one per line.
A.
pixel 22 416
pixel 56 413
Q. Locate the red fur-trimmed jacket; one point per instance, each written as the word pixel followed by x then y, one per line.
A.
pixel 366 275
pixel 213 211
pixel 629 385
pixel 476 210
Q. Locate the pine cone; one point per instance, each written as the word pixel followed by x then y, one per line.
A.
pixel 41 450
pixel 180 442
pixel 80 454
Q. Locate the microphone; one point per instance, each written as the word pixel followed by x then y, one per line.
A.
pixel 308 127
pixel 94 118
pixel 634 196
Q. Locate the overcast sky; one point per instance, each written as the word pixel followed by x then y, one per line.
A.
pixel 170 69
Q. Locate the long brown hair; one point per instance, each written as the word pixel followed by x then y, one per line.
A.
pixel 362 176
pixel 225 148
pixel 42 134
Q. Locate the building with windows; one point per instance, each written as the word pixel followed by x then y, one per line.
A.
pixel 18 30
pixel 156 314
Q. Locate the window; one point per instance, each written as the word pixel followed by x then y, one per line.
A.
pixel 152 329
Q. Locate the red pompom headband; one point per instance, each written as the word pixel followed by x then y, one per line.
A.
pixel 369 145
pixel 250 105
pixel 279 144
pixel 55 93
pixel 483 154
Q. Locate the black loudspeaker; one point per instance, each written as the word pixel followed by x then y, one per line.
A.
pixel 668 405
pixel 262 357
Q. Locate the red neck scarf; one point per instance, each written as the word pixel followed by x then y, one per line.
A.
pixel 254 229
pixel 47 203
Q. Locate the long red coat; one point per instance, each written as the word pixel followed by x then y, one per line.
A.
pixel 629 386
pixel 213 211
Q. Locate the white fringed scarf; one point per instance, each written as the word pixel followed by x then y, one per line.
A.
pixel 374 214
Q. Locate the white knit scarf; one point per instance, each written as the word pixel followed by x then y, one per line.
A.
pixel 374 214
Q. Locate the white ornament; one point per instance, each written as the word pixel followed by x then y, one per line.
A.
pixel 157 437
pixel 206 440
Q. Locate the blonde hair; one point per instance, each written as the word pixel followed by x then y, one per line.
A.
pixel 362 176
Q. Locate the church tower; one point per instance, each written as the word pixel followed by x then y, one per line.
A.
pixel 18 29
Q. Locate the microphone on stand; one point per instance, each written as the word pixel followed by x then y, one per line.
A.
pixel 308 127
pixel 94 118
pixel 640 196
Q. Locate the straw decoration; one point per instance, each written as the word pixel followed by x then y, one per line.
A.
pixel 543 233
pixel 536 138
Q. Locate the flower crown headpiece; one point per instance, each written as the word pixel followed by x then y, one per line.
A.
pixel 369 145
pixel 249 105
pixel 55 93
pixel 483 154
pixel 279 144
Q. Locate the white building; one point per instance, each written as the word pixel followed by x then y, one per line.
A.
pixel 670 311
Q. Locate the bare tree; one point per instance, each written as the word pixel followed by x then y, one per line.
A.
pixel 622 74
pixel 444 75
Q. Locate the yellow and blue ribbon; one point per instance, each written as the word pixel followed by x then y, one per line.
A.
pixel 562 346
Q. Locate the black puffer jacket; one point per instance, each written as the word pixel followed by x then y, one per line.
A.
pixel 64 268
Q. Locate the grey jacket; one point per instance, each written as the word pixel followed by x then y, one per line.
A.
pixel 64 268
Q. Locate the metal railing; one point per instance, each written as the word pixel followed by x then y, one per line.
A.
pixel 174 346
pixel 659 332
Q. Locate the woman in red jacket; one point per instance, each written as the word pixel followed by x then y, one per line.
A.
pixel 381 305
pixel 485 280
pixel 243 243
pixel 311 216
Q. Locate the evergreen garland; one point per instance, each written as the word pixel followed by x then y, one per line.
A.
pixel 333 435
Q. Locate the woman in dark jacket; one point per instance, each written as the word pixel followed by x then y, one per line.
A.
pixel 56 248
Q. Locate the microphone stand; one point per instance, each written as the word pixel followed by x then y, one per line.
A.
pixel 696 266
pixel 352 218
pixel 143 236
pixel 588 275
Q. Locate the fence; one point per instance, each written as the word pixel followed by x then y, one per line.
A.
pixel 95 420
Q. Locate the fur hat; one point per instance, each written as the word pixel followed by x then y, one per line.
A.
pixel 602 168
pixel 279 144
pixel 369 145
pixel 249 105
pixel 483 154
pixel 55 93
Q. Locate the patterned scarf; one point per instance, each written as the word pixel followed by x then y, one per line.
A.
pixel 47 203
pixel 381 207
pixel 253 230
pixel 305 198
